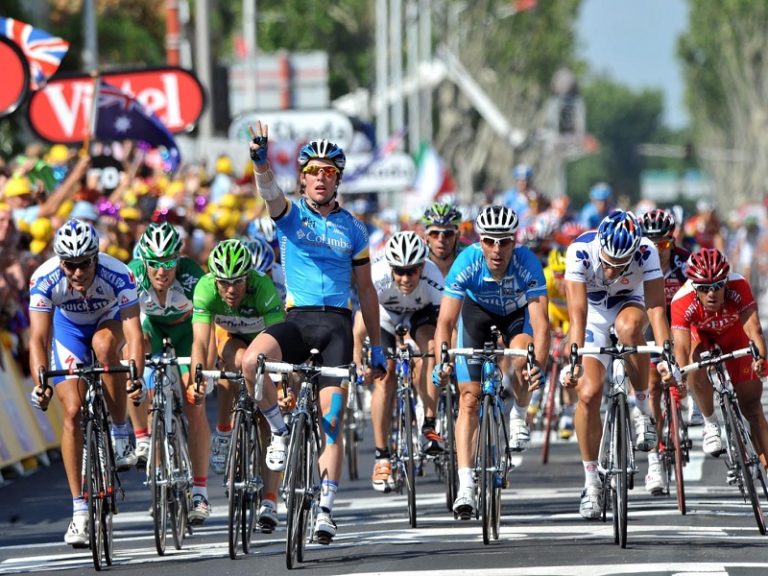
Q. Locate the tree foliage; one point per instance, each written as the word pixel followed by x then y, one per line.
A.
pixel 725 61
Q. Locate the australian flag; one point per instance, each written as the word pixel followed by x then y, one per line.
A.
pixel 43 51
pixel 119 116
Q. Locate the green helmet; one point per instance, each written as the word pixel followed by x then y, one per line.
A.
pixel 159 241
pixel 442 214
pixel 229 259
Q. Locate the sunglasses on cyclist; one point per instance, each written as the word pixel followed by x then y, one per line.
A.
pixel 490 241
pixel 615 265
pixel 443 233
pixel 168 264
pixel 662 244
pixel 315 170
pixel 713 287
pixel 406 271
pixel 78 264
pixel 233 282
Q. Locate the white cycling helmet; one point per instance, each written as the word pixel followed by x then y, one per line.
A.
pixel 496 220
pixel 406 249
pixel 76 239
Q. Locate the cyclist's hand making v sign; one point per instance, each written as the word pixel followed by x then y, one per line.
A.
pixel 259 143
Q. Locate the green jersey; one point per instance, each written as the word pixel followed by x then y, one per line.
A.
pixel 178 300
pixel 260 307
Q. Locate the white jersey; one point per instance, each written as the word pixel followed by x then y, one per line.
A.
pixel 582 264
pixel 113 288
pixel 427 293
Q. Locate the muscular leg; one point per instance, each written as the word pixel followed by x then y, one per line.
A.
pixel 467 423
pixel 749 395
pixel 587 420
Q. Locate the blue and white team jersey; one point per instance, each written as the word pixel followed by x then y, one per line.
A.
pixel 113 289
pixel 428 292
pixel 317 254
pixel 582 264
pixel 523 280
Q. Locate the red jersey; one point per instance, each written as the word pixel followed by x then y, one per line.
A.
pixel 689 314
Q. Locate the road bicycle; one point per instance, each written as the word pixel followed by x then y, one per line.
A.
pixel 492 454
pixel 100 483
pixel 617 448
pixel 169 468
pixel 445 426
pixel 243 483
pixel 301 481
pixel 354 418
pixel 743 468
pixel 674 444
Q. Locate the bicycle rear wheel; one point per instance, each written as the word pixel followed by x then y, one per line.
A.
pixel 675 423
pixel 408 453
pixel 486 464
pixel 94 492
pixel 740 441
pixel 622 441
pixel 237 464
pixel 179 502
pixel 295 492
pixel 549 411
pixel 252 491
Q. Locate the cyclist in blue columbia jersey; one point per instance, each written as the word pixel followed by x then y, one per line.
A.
pixel 612 278
pixel 492 283
pixel 83 301
pixel 323 248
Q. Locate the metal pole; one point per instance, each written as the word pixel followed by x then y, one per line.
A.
pixel 91 49
pixel 250 66
pixel 414 111
pixel 425 54
pixel 382 79
pixel 204 73
pixel 172 33
pixel 396 62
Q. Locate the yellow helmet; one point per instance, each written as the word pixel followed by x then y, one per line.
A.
pixel 41 229
pixel 17 186
pixel 556 260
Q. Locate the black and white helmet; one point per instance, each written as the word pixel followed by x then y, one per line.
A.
pixel 496 220
pixel 75 239
pixel 406 249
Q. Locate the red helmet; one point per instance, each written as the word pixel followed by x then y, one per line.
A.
pixel 707 266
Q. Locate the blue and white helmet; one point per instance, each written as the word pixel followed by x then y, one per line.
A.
pixel 75 239
pixel 620 234
pixel 262 255
pixel 322 150
pixel 263 227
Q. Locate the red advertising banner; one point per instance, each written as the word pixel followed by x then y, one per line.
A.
pixel 15 84
pixel 62 110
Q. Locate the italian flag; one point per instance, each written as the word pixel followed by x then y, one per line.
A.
pixel 432 176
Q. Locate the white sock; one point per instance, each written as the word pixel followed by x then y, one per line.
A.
pixel 591 477
pixel 641 401
pixel 711 420
pixel 519 411
pixel 653 457
pixel 466 480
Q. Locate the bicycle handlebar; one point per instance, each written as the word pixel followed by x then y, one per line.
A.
pixel 750 350
pixel 82 371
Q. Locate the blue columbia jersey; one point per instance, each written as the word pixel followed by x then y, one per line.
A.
pixel 318 254
pixel 470 276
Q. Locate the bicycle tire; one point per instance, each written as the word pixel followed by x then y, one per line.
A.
pixel 252 492
pixel 237 464
pixel 549 411
pixel 739 437
pixel 351 436
pixel 486 462
pixel 95 495
pixel 296 492
pixel 159 481
pixel 450 475
pixel 408 453
pixel 679 456
pixel 499 456
pixel 180 493
pixel 623 440
pixel 110 481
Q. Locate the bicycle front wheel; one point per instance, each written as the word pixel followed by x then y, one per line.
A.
pixel 450 474
pixel 408 453
pixel 236 460
pixel 159 479
pixel 94 491
pixel 549 410
pixel 675 431
pixel 622 441
pixel 351 432
pixel 487 480
pixel 295 492
pixel 252 491
pixel 741 441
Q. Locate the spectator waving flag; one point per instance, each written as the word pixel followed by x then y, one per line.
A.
pixel 119 116
pixel 43 51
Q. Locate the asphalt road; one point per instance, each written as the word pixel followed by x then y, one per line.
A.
pixel 541 534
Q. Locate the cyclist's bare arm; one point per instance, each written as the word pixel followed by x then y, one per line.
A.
pixel 134 337
pixel 539 317
pixel 682 343
pixel 369 302
pixel 39 341
pixel 656 305
pixel 265 179
pixel 576 296
pixel 201 339
pixel 450 308
pixel 750 320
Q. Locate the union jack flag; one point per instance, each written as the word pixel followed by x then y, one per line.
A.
pixel 43 51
